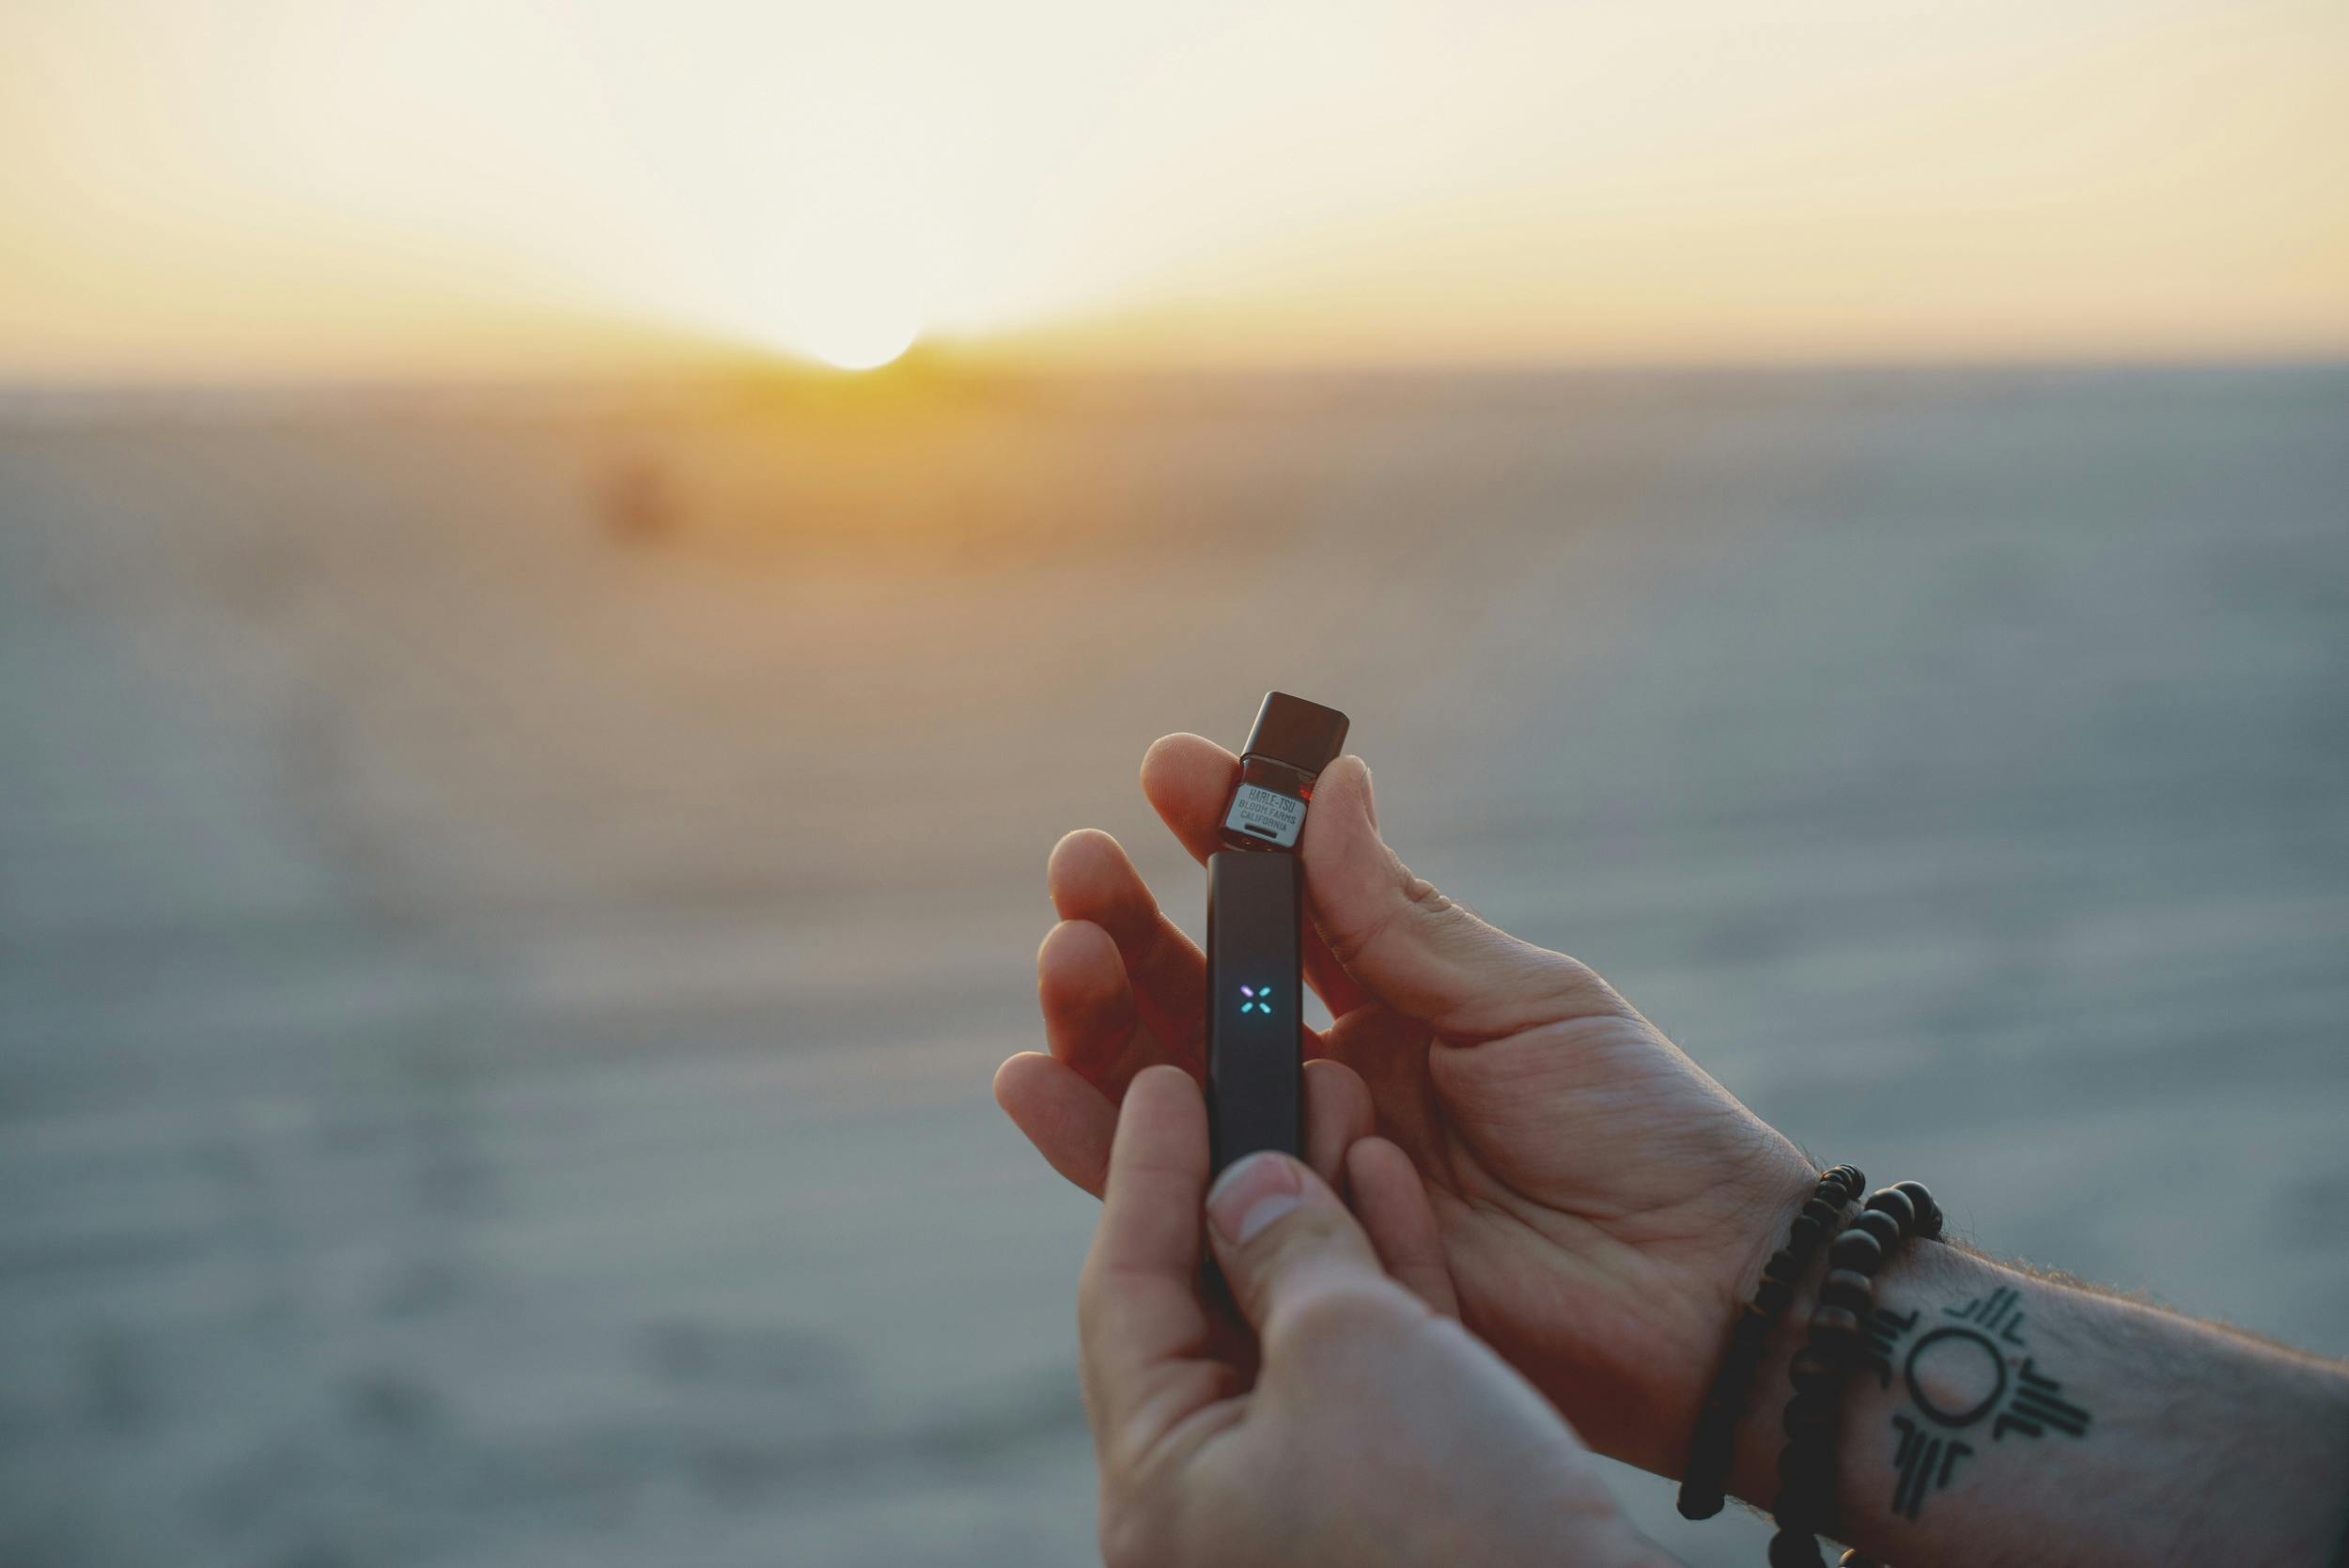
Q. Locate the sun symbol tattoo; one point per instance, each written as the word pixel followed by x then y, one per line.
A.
pixel 1960 1374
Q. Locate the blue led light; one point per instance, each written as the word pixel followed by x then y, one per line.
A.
pixel 1255 998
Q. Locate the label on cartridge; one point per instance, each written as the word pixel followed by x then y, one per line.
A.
pixel 1265 814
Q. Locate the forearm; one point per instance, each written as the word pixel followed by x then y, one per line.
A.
pixel 2015 1418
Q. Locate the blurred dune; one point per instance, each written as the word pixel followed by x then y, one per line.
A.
pixel 509 900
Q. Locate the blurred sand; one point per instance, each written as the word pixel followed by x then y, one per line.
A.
pixel 508 909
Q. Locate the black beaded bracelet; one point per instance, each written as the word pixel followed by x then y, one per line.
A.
pixel 1704 1476
pixel 1806 1503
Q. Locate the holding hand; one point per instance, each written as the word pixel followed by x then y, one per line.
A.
pixel 1377 1430
pixel 1595 1208
pixel 1599 1205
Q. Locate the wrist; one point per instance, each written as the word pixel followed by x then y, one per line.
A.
pixel 2015 1418
pixel 1917 1269
pixel 1786 1225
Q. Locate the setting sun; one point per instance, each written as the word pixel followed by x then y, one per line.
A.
pixel 861 344
pixel 848 298
pixel 476 182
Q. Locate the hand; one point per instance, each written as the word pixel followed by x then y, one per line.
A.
pixel 1600 1206
pixel 1377 1430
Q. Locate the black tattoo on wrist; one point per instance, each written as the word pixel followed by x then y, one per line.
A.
pixel 1981 1354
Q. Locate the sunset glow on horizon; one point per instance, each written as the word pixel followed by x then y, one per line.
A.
pixel 274 187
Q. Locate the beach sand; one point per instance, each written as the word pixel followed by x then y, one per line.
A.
pixel 509 904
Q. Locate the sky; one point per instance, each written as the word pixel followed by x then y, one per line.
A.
pixel 298 187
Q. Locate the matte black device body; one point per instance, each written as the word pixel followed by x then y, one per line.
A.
pixel 1255 1068
pixel 1256 912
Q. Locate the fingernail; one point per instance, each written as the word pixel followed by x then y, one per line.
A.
pixel 1252 1194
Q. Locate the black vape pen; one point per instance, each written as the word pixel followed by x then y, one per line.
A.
pixel 1255 904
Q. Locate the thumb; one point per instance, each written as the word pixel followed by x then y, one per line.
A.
pixel 1281 1236
pixel 1416 950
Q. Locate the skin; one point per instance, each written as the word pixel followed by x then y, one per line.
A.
pixel 1376 1431
pixel 1524 1150
pixel 1600 1204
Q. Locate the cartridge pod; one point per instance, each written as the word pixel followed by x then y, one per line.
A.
pixel 1290 743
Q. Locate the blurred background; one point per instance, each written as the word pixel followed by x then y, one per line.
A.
pixel 561 567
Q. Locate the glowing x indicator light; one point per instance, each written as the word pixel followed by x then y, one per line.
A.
pixel 1253 998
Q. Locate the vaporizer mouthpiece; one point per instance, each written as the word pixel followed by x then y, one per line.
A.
pixel 1290 743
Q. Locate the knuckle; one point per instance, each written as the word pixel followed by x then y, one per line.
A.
pixel 1418 890
pixel 1570 977
pixel 1551 989
pixel 1290 1242
pixel 1586 988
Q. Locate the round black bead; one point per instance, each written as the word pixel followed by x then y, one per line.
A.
pixel 1807 1415
pixel 1857 1250
pixel 1826 1207
pixel 1812 1372
pixel 1801 1466
pixel 1701 1504
pixel 1834 1328
pixel 1771 1295
pixel 1893 1200
pixel 1880 1225
pixel 1846 1176
pixel 1803 1234
pixel 1845 1287
pixel 1795 1550
pixel 1928 1211
pixel 1783 1264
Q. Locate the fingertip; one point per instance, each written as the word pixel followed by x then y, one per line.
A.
pixel 1183 755
pixel 1187 779
pixel 1091 877
pixel 1082 986
pixel 1077 835
pixel 1162 1079
pixel 1349 869
pixel 1237 1203
pixel 1348 778
pixel 1162 1127
pixel 1391 1199
pixel 1022 1087
pixel 1009 1070
pixel 1163 1096
pixel 1067 1119
pixel 1342 809
pixel 1082 862
pixel 1341 801
pixel 1280 1231
pixel 1338 1112
pixel 1073 944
